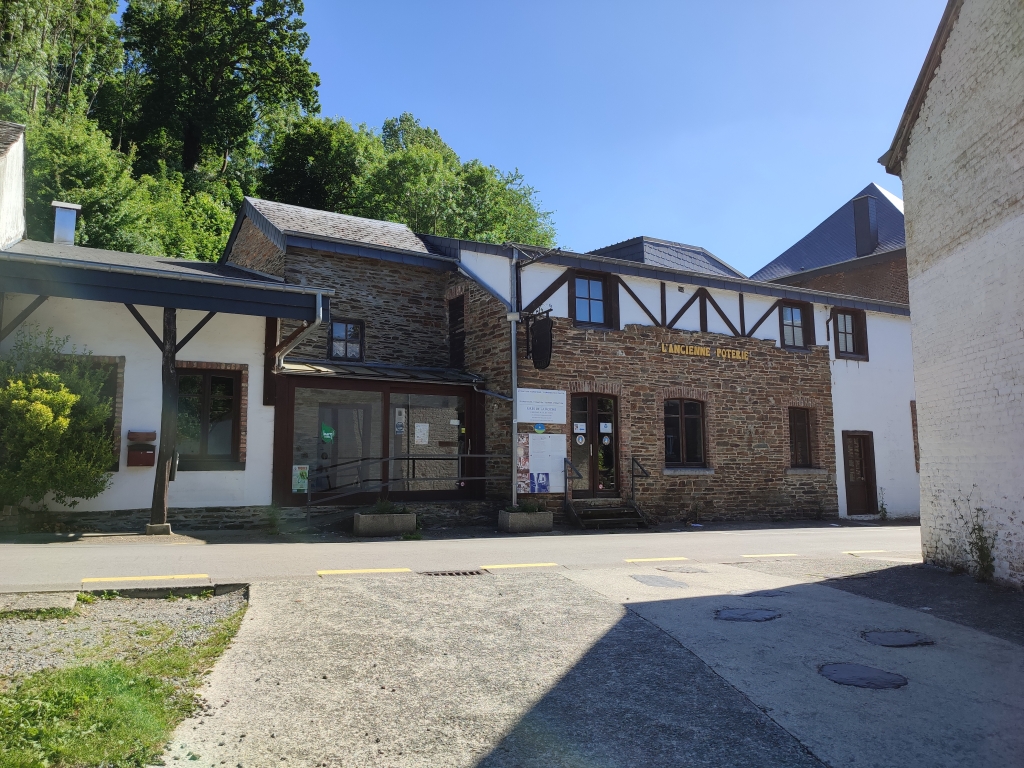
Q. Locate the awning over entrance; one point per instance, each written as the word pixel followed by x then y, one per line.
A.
pixel 374 372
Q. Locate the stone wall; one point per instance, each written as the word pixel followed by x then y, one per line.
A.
pixel 963 181
pixel 402 306
pixel 885 281
pixel 746 404
pixel 252 250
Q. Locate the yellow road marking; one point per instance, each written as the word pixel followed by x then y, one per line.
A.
pixel 518 565
pixel 365 570
pixel 864 551
pixel 775 555
pixel 653 559
pixel 146 578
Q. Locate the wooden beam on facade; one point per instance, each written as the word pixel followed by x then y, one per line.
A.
pixel 548 292
pixel 145 326
pixel 764 317
pixel 22 316
pixel 637 300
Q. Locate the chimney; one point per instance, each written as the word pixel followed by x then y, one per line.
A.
pixel 865 224
pixel 64 222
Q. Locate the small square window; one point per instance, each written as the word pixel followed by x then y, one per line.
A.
pixel 347 341
pixel 590 301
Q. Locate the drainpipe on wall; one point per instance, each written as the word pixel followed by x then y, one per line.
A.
pixel 513 320
pixel 297 337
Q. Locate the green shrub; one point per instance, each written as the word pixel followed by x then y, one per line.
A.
pixel 385 507
pixel 54 431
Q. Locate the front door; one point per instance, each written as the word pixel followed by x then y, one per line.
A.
pixel 859 461
pixel 595 445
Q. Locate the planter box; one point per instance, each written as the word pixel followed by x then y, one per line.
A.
pixel 384 525
pixel 525 522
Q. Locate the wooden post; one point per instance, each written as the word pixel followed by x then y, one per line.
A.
pixel 168 427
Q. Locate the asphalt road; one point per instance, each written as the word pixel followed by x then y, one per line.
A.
pixel 43 563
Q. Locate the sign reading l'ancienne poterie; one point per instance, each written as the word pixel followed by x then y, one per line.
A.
pixel 691 350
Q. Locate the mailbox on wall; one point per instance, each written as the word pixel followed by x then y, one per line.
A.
pixel 142 449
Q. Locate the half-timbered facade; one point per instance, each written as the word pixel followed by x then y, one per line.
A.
pixel 670 378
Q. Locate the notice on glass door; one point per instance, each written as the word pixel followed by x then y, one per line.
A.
pixel 422 434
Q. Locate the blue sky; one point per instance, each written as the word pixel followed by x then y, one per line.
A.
pixel 736 126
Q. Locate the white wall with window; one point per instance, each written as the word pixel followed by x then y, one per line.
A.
pixel 871 396
pixel 222 465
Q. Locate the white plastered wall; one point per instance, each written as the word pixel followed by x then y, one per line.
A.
pixel 493 271
pixel 109 329
pixel 874 396
pixel 12 193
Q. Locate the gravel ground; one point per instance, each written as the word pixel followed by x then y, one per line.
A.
pixel 119 628
pixel 990 608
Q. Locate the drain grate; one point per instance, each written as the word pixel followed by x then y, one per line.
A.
pixel 899 638
pixel 861 676
pixel 746 614
pixel 451 573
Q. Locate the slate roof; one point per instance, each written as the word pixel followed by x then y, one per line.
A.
pixel 337 227
pixel 35 251
pixel 665 253
pixel 834 240
pixel 9 133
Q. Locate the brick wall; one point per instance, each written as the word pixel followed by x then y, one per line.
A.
pixel 963 180
pixel 253 250
pixel 886 281
pixel 402 306
pixel 746 404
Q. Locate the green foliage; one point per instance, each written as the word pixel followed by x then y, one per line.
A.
pixel 205 73
pixel 386 507
pixel 112 713
pixel 53 423
pixel 54 53
pixel 38 614
pixel 406 174
pixel 528 506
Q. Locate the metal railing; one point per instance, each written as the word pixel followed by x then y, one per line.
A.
pixel 363 484
pixel 576 475
pixel 636 469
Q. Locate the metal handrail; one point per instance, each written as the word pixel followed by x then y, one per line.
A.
pixel 576 475
pixel 633 475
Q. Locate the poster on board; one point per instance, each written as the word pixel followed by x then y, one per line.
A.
pixel 543 406
pixel 523 463
pixel 546 455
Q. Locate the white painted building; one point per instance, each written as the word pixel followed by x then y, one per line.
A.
pixel 959 149
pixel 112 305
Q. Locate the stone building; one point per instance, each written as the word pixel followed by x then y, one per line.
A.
pixel 675 387
pixel 959 149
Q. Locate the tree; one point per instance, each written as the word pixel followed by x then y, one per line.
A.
pixel 407 174
pixel 69 158
pixel 54 436
pixel 321 164
pixel 53 52
pixel 210 69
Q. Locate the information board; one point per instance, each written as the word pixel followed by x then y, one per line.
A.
pixel 544 406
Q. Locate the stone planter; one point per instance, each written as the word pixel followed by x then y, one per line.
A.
pixel 525 522
pixel 384 525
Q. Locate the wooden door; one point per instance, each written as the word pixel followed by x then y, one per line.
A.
pixel 859 468
pixel 595 445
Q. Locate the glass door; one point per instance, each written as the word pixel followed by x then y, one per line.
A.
pixel 428 435
pixel 595 445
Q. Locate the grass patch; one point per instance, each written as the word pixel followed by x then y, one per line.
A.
pixel 111 713
pixel 38 614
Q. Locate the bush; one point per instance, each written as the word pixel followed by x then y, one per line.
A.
pixel 54 432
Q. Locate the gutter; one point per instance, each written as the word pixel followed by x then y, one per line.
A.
pixel 296 338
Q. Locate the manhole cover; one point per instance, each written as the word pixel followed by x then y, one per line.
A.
pixel 861 676
pixel 681 569
pixel 901 638
pixel 451 573
pixel 659 581
pixel 746 614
